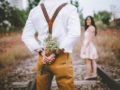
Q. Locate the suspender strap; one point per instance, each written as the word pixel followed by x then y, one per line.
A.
pixel 51 21
pixel 45 12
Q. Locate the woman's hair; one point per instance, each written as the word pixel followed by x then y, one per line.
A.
pixel 92 23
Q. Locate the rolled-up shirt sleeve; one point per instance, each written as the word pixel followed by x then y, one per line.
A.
pixel 74 31
pixel 28 35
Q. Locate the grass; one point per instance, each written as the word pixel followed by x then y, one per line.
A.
pixel 108 47
pixel 12 51
pixel 108 42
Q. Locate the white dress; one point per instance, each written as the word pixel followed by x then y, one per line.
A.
pixel 88 50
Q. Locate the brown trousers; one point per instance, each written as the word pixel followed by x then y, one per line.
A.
pixel 62 69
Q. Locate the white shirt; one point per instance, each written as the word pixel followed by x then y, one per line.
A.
pixel 66 27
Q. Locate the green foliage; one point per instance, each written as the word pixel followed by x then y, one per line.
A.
pixel 10 17
pixel 82 19
pixel 103 20
pixel 79 10
pixel 32 4
pixel 115 25
pixel 17 16
pixel 103 16
pixel 75 3
pixel 101 25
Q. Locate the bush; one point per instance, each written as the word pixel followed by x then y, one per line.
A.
pixel 115 25
pixel 10 17
pixel 101 25
pixel 103 16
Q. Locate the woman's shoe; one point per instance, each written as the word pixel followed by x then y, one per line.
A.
pixel 87 77
pixel 94 75
pixel 91 77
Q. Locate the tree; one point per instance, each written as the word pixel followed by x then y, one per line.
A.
pixel 103 16
pixel 71 1
pixel 32 3
pixel 79 10
pixel 10 17
pixel 75 3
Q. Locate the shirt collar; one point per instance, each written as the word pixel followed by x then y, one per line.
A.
pixel 54 1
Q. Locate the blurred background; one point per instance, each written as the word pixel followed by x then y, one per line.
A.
pixel 106 13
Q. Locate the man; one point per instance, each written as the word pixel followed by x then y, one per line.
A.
pixel 65 29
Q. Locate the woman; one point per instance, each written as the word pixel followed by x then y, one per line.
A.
pixel 88 50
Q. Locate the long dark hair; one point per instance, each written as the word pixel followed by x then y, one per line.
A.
pixel 92 23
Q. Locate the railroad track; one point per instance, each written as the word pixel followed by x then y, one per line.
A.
pixel 105 78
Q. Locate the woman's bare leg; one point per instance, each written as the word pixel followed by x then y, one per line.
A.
pixel 88 68
pixel 94 65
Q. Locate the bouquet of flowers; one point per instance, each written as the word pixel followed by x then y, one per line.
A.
pixel 51 45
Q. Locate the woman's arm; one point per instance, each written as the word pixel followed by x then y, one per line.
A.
pixel 91 35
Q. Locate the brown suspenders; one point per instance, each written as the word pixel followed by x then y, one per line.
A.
pixel 51 21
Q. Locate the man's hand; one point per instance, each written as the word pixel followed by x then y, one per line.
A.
pixel 42 53
pixel 47 59
pixel 51 58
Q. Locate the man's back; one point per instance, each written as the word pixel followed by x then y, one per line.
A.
pixel 66 31
pixel 66 20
